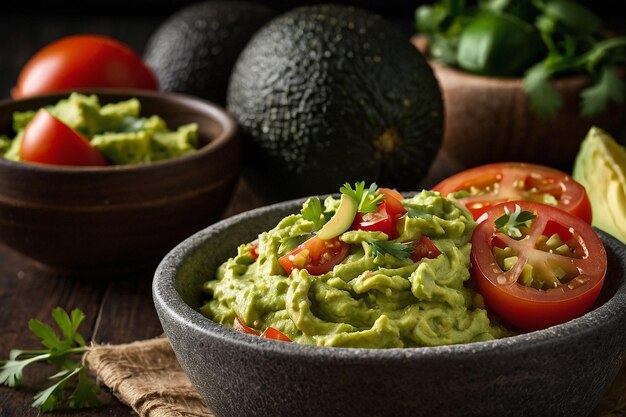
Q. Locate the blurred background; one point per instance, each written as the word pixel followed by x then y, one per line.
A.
pixel 25 27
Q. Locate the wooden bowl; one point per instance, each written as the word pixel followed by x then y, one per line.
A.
pixel 488 119
pixel 98 220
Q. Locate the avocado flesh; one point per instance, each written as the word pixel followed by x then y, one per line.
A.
pixel 341 220
pixel 330 94
pixel 601 168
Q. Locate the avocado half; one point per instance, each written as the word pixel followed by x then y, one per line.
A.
pixel 195 49
pixel 328 94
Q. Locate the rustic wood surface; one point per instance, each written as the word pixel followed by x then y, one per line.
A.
pixel 118 309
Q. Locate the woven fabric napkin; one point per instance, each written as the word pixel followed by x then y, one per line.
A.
pixel 146 376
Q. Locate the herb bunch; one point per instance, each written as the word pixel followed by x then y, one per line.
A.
pixel 537 39
pixel 63 352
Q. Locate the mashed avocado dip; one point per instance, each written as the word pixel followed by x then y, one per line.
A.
pixel 116 129
pixel 372 299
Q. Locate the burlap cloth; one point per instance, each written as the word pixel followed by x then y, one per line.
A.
pixel 146 376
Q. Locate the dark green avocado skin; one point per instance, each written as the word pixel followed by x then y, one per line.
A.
pixel 195 49
pixel 316 88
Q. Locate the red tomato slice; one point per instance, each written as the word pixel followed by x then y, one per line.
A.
pixel 393 201
pixel 241 327
pixel 253 249
pixel 315 255
pixel 83 61
pixel 272 333
pixel 47 140
pixel 385 218
pixel 510 181
pixel 425 248
pixel 524 306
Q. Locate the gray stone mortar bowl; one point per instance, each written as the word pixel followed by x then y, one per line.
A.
pixel 560 371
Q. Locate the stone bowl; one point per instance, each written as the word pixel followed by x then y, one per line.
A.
pixel 106 220
pixel 489 119
pixel 560 371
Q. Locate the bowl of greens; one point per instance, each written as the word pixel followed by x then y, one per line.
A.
pixel 109 180
pixel 522 80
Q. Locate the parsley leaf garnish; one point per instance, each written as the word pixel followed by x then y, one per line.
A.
pixel 510 222
pixel 313 212
pixel 596 97
pixel 396 249
pixel 367 199
pixel 58 352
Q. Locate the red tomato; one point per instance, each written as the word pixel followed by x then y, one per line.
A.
pixel 241 327
pixel 47 140
pixel 253 249
pixel 509 181
pixel 315 255
pixel 83 61
pixel 527 307
pixel 424 248
pixel 393 201
pixel 272 333
pixel 385 218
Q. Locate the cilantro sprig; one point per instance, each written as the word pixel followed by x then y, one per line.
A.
pixel 60 351
pixel 550 37
pixel 510 222
pixel 312 211
pixel 367 199
pixel 396 249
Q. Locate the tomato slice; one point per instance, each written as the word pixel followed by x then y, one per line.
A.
pixel 315 255
pixel 47 140
pixel 272 333
pixel 241 327
pixel 385 218
pixel 481 187
pixel 540 280
pixel 425 248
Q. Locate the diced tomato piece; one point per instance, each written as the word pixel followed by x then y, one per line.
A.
pixel 272 333
pixel 316 255
pixel 425 248
pixel 241 327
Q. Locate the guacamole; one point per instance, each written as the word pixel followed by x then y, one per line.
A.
pixel 117 130
pixel 372 298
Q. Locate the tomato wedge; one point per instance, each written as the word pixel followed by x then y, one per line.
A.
pixel 241 327
pixel 385 218
pixel 481 187
pixel 424 248
pixel 551 273
pixel 272 333
pixel 47 140
pixel 315 255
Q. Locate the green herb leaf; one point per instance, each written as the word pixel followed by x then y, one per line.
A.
pixel 367 200
pixel 396 249
pixel 58 353
pixel 544 99
pixel 313 212
pixel 85 394
pixel 416 213
pixel 597 97
pixel 510 222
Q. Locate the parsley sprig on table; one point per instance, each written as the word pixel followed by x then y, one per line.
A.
pixel 60 352
pixel 510 222
pixel 367 199
pixel 539 40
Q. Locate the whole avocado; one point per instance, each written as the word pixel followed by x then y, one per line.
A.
pixel 329 94
pixel 195 49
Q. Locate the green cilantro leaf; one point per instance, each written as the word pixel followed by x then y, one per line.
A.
pixel 596 97
pixel 510 222
pixel 543 98
pixel 396 249
pixel 416 213
pixel 313 212
pixel 59 353
pixel 367 200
